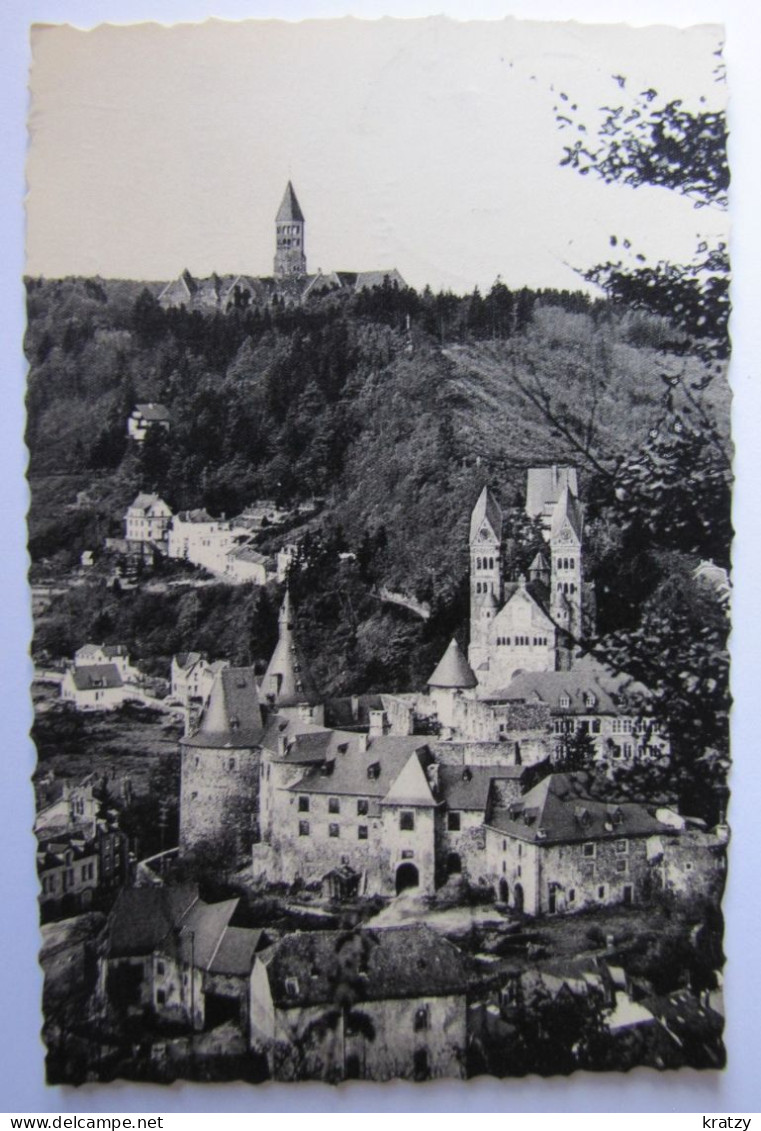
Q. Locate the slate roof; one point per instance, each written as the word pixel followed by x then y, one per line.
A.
pixel 187 660
pixel 197 515
pixel 145 502
pixel 345 769
pixel 487 508
pixel 544 485
pixel 605 690
pixel 559 810
pixel 232 716
pixel 366 280
pixel 235 953
pixel 453 669
pixel 92 677
pixel 311 967
pixel 141 918
pixel 537 591
pixel 208 922
pixel 467 787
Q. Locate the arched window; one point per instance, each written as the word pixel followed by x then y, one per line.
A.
pixel 560 563
pixel 573 566
pixel 491 563
pixel 478 563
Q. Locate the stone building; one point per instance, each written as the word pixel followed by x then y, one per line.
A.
pixel 290 254
pixel 167 955
pixel 557 850
pixel 287 686
pixel 370 1005
pixel 528 624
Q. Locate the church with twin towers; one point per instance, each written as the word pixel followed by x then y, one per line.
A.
pixel 529 623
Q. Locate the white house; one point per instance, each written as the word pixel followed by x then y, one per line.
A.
pixel 147 519
pixel 94 687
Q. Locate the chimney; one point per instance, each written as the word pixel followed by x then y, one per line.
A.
pixel 362 743
pixel 378 723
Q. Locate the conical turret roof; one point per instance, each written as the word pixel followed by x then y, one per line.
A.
pixel 233 715
pixel 288 681
pixel 453 670
pixel 289 207
pixel 487 508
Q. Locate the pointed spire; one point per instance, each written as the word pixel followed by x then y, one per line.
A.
pixel 289 210
pixel 567 507
pixel 287 681
pixel 487 508
pixel 453 670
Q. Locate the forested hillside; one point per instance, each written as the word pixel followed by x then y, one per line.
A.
pixel 394 408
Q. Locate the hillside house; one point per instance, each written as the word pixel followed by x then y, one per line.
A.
pixel 145 416
pixel 94 687
pixel 147 520
pixel 192 676
pixel 116 654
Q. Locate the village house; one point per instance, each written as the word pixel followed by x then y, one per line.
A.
pixel 67 807
pixel 148 519
pixel 247 564
pixel 369 1005
pixel 146 416
pixel 79 861
pixel 192 676
pixel 116 654
pixel 557 849
pixel 94 687
pixel 168 955
pixel 209 543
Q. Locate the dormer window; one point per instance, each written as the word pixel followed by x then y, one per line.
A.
pixel 590 699
pixel 564 702
pixel 373 770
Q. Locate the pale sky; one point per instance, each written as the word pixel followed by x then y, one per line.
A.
pixel 426 145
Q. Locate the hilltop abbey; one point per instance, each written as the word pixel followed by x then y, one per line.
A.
pixel 290 283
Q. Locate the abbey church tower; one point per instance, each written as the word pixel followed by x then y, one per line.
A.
pixel 485 574
pixel 290 257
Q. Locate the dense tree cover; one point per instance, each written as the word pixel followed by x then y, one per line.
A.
pixel 394 407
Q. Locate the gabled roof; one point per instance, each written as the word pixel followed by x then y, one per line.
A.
pixel 289 209
pixel 567 509
pixel 94 677
pixel 539 564
pixel 232 716
pixel 589 688
pixel 151 410
pixel 141 918
pixel 411 786
pixel 316 967
pixel 535 590
pixel 353 765
pixel 147 502
pixel 197 515
pixel 208 923
pixel 187 660
pixel 559 810
pixel 487 508
pixel 453 669
pixel 235 953
pixel 467 787
pixel 544 486
pixel 366 280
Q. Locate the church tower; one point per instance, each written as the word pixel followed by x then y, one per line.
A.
pixel 290 258
pixel 566 572
pixel 485 574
